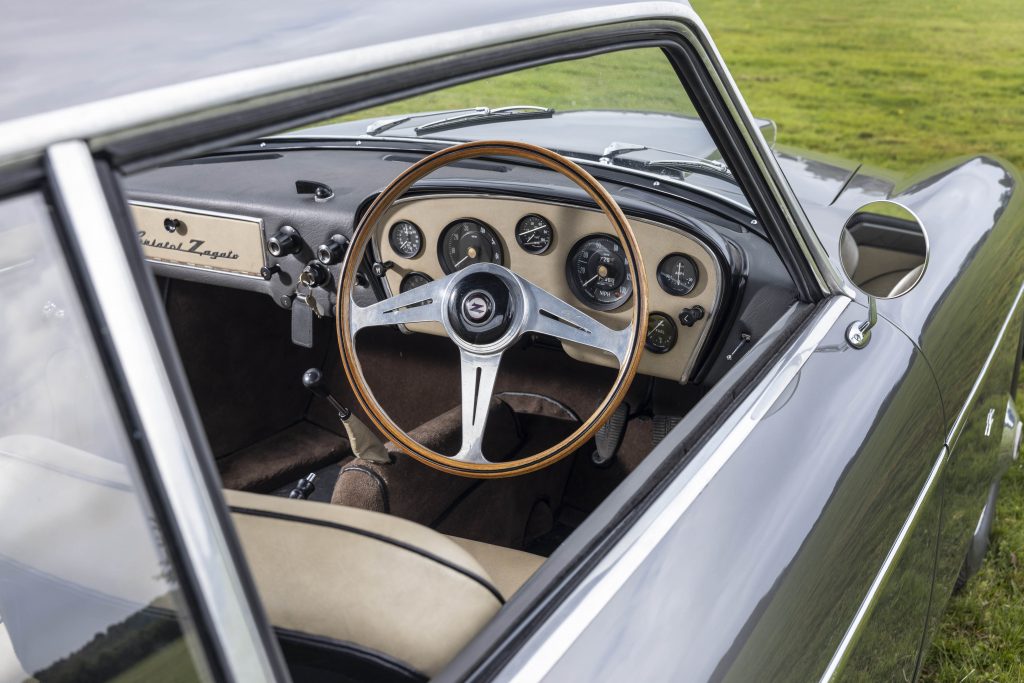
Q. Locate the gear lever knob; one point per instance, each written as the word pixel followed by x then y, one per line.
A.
pixel 364 444
pixel 313 379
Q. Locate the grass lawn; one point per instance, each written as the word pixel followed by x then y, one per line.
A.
pixel 901 85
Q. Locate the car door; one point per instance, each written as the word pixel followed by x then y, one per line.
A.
pixel 798 544
pixel 114 561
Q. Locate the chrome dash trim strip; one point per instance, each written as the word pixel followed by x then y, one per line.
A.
pixel 205 547
pixel 961 418
pixel 540 654
pixel 867 605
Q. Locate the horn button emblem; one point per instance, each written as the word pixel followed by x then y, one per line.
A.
pixel 477 307
pixel 481 308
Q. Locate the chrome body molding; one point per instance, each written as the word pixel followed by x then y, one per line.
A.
pixel 853 631
pixel 961 417
pixel 540 654
pixel 205 547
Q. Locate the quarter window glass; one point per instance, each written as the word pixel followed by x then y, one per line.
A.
pixel 86 590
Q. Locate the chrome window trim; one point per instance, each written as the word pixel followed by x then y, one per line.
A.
pixel 205 548
pixel 542 651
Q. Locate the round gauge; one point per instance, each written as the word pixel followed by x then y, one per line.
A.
pixel 598 273
pixel 466 242
pixel 661 333
pixel 412 281
pixel 534 233
pixel 406 239
pixel 678 274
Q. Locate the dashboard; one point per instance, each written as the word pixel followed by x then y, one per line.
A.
pixel 568 251
pixel 247 220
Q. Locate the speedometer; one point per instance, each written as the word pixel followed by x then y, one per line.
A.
pixel 466 242
pixel 598 272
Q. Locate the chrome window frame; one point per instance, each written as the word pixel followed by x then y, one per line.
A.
pixel 239 643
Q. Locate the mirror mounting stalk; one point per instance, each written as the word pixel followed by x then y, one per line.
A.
pixel 858 334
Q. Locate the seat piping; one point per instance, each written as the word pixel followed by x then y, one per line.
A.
pixel 375 536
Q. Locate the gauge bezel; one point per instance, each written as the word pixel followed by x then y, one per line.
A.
pixel 574 286
pixel 442 237
pixel 672 326
pixel 391 238
pixel 696 269
pixel 411 274
pixel 531 250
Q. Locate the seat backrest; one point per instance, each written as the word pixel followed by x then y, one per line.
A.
pixel 370 587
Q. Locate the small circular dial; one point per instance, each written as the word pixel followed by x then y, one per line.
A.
pixel 661 333
pixel 534 233
pixel 678 274
pixel 406 239
pixel 598 273
pixel 466 242
pixel 412 281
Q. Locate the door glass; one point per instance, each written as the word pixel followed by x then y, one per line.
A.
pixel 86 590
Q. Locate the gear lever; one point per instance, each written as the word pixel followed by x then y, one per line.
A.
pixel 364 443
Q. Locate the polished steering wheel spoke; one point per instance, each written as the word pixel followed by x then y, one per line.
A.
pixel 422 304
pixel 551 316
pixel 478 374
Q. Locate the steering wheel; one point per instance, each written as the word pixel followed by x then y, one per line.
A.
pixel 484 309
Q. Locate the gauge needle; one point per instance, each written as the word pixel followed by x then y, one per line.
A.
pixel 527 232
pixel 590 280
pixel 655 328
pixel 461 260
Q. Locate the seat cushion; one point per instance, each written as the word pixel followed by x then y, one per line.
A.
pixel 382 583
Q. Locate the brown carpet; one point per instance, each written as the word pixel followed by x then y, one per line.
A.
pixel 288 455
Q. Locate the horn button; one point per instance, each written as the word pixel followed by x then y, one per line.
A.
pixel 481 308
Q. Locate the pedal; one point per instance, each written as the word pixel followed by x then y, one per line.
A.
pixel 661 426
pixel 609 437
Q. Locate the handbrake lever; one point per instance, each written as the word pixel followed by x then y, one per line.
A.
pixel 364 443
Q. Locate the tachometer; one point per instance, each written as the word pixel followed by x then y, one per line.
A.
pixel 466 242
pixel 598 273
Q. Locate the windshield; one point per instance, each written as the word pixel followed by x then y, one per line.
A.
pixel 625 108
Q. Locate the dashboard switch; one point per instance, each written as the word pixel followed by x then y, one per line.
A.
pixel 285 241
pixel 315 275
pixel 688 316
pixel 332 251
pixel 267 272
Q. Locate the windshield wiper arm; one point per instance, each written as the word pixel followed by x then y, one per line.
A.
pixel 688 164
pixel 516 112
pixel 378 127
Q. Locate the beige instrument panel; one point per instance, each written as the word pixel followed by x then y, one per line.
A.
pixel 547 270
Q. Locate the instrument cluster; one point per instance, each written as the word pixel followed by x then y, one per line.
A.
pixel 565 250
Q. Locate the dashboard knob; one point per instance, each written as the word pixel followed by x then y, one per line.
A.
pixel 267 272
pixel 285 241
pixel 332 251
pixel 688 316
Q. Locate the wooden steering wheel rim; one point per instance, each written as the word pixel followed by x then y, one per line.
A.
pixel 360 240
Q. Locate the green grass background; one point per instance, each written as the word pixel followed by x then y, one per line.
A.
pixel 901 85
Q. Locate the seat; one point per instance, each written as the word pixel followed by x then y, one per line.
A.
pixel 351 589
pixel 353 594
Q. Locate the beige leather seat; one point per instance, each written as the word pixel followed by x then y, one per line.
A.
pixel 378 589
pixel 353 594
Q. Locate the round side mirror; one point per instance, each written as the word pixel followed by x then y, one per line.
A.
pixel 884 249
